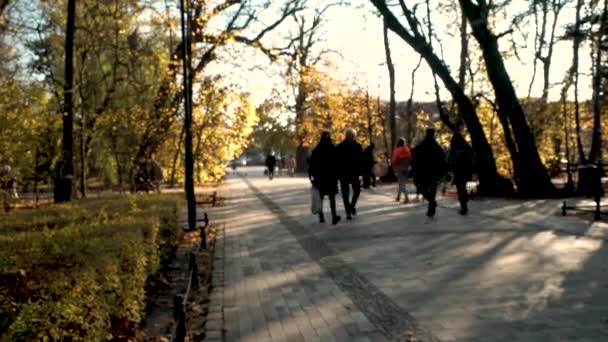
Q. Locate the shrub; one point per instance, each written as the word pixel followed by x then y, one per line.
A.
pixel 80 269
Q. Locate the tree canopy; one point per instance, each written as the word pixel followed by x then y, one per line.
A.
pixel 112 98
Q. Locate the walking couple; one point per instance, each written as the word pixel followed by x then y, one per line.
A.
pixel 430 166
pixel 329 164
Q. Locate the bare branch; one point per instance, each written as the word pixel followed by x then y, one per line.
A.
pixel 502 34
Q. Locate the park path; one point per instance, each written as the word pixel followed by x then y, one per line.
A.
pixel 511 271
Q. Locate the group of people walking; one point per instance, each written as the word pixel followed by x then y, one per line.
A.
pixel 330 165
pixel 271 163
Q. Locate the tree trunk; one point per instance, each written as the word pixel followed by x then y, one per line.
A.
pixel 568 81
pixel 547 59
pixel 533 180
pixel 83 158
pixel 578 38
pixel 370 128
pixel 63 181
pixel 302 151
pixel 175 158
pixel 409 110
pixel 392 110
pixel 187 69
pixel 382 117
pixel 490 182
pixel 569 182
pixel 596 139
pixel 464 50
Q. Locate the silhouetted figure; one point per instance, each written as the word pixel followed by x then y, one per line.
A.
pixel 271 163
pixel 8 181
pixel 139 178
pixel 322 171
pixel 429 161
pixel 369 177
pixel 147 176
pixel 460 160
pixel 350 157
pixel 291 165
pixel 401 160
pixel 155 174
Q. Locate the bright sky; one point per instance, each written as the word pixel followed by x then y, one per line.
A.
pixel 357 33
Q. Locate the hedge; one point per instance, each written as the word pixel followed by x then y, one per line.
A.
pixel 78 271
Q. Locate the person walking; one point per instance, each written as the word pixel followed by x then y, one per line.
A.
pixel 429 161
pixel 369 178
pixel 350 156
pixel 460 159
pixel 291 165
pixel 322 172
pixel 271 162
pixel 401 160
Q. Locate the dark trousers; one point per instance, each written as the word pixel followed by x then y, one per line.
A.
pixel 345 185
pixel 332 206
pixel 270 172
pixel 463 195
pixel 369 178
pixel 429 192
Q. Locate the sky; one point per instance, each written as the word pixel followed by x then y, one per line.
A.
pixel 356 32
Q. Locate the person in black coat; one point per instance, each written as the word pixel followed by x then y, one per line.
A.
pixel 460 159
pixel 430 164
pixel 322 171
pixel 369 178
pixel 271 162
pixel 350 156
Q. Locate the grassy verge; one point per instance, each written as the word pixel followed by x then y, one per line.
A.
pixel 77 271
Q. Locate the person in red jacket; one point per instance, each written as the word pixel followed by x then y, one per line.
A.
pixel 401 160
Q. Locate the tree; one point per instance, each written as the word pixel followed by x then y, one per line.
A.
pixel 302 58
pixel 410 117
pixel 187 80
pixel 490 181
pixel 532 177
pixel 392 110
pixel 543 46
pixel 239 17
pixel 599 85
pixel 570 79
pixel 270 133
pixel 63 181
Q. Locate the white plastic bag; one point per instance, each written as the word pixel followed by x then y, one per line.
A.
pixel 315 201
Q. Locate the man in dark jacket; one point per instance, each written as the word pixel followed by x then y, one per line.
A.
pixel 271 162
pixel 430 164
pixel 460 159
pixel 369 178
pixel 322 171
pixel 350 156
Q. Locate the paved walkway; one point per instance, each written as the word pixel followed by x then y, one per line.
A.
pixel 511 271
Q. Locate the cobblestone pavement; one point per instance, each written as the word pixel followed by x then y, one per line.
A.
pixel 510 271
